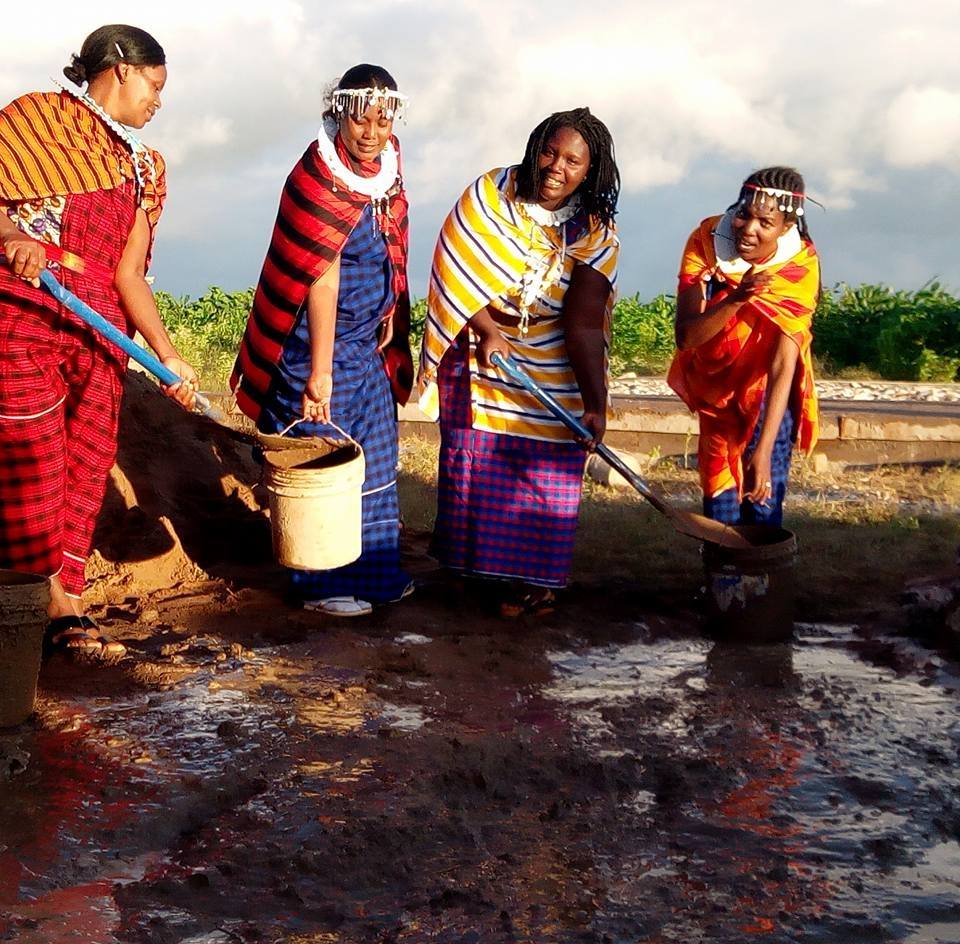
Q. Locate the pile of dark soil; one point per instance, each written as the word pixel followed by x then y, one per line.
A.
pixel 182 504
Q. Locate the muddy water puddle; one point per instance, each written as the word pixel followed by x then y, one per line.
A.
pixel 523 786
pixel 804 793
pixel 94 790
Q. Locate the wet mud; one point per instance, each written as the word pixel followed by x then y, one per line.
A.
pixel 434 775
pixel 607 773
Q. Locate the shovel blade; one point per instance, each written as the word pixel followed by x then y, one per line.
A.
pixel 706 529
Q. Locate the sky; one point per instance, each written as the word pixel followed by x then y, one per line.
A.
pixel 862 96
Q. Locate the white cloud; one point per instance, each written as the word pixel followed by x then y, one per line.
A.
pixel 853 92
pixel 923 127
pixel 184 137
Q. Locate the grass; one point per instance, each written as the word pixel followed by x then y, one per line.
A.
pixel 863 332
pixel 860 533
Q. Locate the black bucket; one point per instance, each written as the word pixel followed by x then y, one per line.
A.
pixel 750 591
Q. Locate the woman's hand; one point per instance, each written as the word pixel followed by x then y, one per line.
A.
pixel 386 335
pixel 183 392
pixel 490 342
pixel 753 283
pixel 26 257
pixel 316 397
pixel 757 478
pixel 596 422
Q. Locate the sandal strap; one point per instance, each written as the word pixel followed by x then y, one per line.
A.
pixel 79 633
pixel 60 623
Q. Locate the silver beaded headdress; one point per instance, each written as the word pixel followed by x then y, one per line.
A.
pixel 355 102
pixel 787 201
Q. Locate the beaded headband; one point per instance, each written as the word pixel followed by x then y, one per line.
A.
pixel 355 102
pixel 787 201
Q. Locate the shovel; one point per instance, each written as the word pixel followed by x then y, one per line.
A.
pixel 113 334
pixel 685 522
pixel 166 376
pixel 147 360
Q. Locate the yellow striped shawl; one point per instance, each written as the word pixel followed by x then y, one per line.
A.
pixel 486 248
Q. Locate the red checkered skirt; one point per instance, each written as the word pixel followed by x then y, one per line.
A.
pixel 60 392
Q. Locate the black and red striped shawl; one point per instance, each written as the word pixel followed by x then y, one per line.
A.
pixel 315 218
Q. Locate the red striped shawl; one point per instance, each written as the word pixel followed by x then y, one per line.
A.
pixel 315 218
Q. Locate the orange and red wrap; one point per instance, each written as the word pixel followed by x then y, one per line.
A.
pixel 724 380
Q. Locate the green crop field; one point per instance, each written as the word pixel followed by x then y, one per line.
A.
pixel 859 332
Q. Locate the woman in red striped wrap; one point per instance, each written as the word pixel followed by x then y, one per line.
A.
pixel 78 191
pixel 326 344
pixel 749 284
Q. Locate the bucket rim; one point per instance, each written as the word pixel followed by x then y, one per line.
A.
pixel 20 578
pixel 766 543
pixel 288 460
pixel 275 442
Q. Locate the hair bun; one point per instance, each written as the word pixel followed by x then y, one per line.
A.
pixel 76 72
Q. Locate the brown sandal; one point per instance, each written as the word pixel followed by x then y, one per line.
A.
pixel 80 637
pixel 538 601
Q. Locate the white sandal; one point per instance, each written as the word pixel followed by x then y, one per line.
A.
pixel 339 606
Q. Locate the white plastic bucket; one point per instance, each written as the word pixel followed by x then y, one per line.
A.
pixel 23 618
pixel 315 504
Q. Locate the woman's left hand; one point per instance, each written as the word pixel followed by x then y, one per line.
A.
pixel 596 422
pixel 185 391
pixel 386 334
pixel 317 395
pixel 757 479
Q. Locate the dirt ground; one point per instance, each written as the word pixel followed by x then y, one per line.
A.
pixel 255 773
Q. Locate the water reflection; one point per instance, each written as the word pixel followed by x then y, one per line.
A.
pixel 778 780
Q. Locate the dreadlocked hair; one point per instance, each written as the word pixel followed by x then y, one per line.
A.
pixel 601 187
pixel 779 178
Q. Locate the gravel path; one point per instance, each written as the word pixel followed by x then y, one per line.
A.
pixel 631 385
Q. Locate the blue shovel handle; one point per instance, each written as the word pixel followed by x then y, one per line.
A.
pixel 113 334
pixel 513 370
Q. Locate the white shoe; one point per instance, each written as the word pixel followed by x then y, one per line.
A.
pixel 407 590
pixel 339 606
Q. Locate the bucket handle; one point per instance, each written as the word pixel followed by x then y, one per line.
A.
pixel 346 435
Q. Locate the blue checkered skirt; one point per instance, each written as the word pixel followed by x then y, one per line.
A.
pixel 727 506
pixel 362 405
pixel 507 506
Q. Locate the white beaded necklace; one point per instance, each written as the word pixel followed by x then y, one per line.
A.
pixel 546 217
pixel 533 278
pixel 376 187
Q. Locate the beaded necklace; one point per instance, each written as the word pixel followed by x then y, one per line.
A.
pixel 377 187
pixel 533 278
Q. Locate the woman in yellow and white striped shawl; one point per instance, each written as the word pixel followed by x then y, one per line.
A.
pixel 525 264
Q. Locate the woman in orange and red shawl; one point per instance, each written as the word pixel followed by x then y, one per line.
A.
pixel 80 191
pixel 749 284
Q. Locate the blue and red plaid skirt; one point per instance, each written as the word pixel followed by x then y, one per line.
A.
pixel 507 506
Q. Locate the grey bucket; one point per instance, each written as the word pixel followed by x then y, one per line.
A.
pixel 750 591
pixel 23 617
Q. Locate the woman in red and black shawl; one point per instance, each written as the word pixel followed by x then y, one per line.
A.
pixel 327 338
